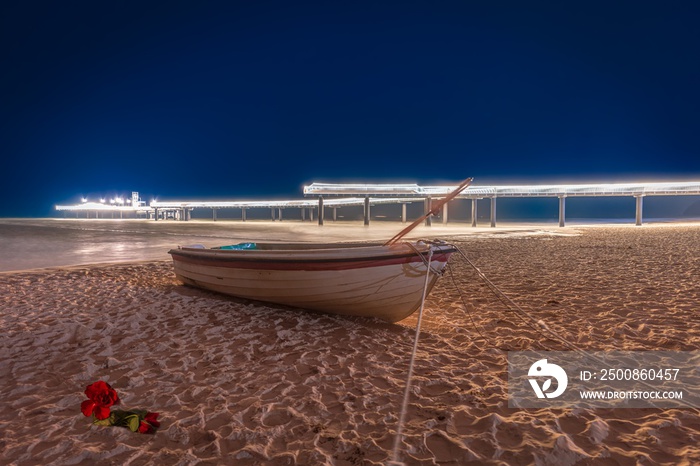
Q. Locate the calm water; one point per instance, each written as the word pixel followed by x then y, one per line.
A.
pixel 34 243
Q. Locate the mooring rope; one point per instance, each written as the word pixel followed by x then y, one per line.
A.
pixel 464 304
pixel 541 327
pixel 406 393
pixel 427 262
pixel 536 325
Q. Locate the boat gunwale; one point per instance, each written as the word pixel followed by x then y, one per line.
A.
pixel 273 256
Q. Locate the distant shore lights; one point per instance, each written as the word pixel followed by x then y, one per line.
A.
pixel 116 204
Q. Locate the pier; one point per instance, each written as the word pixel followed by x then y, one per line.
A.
pixel 319 197
pixel 474 193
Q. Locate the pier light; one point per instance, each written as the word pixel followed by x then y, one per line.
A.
pixel 112 201
pixel 84 199
pixel 102 200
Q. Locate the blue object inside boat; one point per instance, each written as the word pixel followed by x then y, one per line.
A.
pixel 240 246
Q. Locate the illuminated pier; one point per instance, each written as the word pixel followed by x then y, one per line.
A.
pixel 182 209
pixel 335 196
pixel 561 191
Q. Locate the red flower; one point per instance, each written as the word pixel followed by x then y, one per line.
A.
pixel 151 418
pixel 101 398
pixel 149 424
pixel 145 428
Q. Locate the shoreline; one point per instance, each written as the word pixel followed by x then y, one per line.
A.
pixel 27 244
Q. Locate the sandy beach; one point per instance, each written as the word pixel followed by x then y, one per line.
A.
pixel 245 383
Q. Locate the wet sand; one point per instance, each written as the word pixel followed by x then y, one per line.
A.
pixel 246 383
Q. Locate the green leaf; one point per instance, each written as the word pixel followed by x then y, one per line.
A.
pixel 134 422
pixel 105 422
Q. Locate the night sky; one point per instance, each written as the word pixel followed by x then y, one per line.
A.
pixel 224 100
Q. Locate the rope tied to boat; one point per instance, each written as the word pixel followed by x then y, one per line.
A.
pixel 427 261
pixel 464 305
pixel 407 390
pixel 537 325
pixel 541 327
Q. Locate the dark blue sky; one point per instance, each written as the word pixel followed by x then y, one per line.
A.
pixel 255 99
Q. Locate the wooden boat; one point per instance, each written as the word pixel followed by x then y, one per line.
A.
pixel 357 279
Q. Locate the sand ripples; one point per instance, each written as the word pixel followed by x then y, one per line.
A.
pixel 251 384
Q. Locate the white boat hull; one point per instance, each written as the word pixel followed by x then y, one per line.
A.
pixel 386 283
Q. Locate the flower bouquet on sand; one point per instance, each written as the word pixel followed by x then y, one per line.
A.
pixel 101 398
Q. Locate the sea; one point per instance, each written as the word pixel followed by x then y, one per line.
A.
pixel 40 243
pixel 27 243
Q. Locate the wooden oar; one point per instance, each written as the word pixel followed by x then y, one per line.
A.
pixel 438 205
